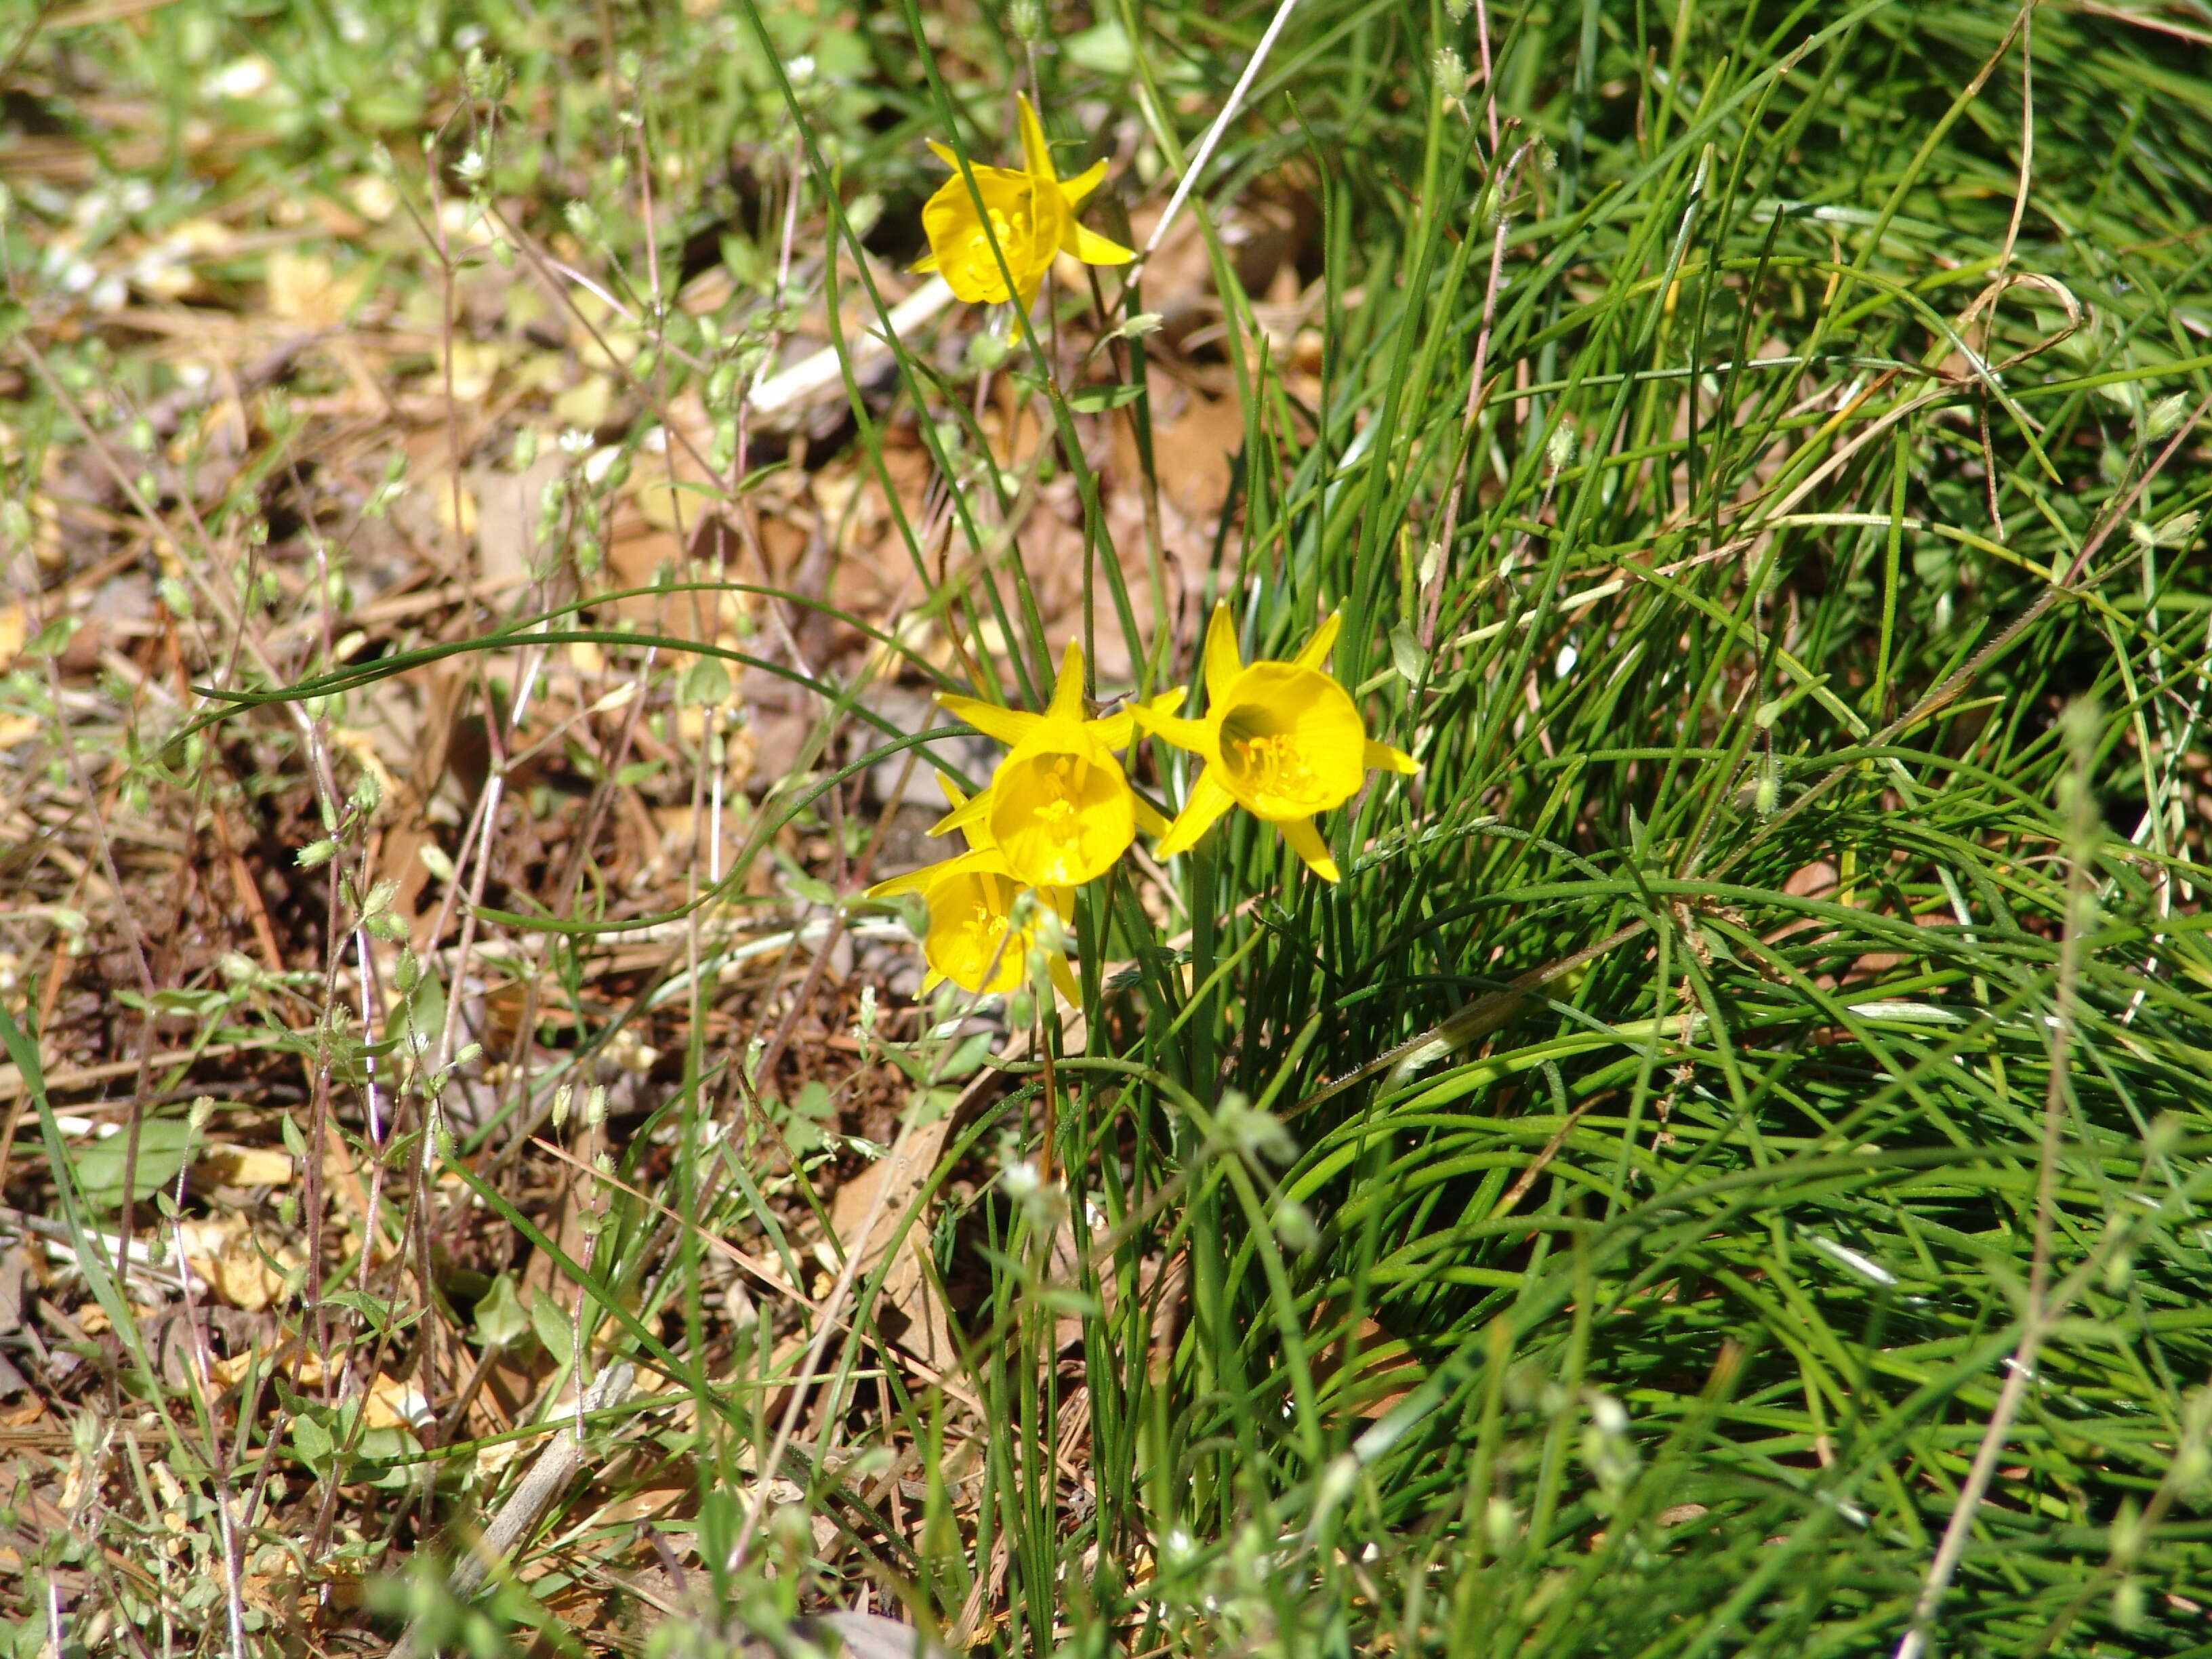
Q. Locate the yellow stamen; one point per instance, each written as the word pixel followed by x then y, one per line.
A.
pixel 1274 768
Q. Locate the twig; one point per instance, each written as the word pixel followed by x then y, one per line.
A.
pixel 1191 173
pixel 797 386
pixel 554 1468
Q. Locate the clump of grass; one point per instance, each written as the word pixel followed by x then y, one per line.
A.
pixel 1721 1173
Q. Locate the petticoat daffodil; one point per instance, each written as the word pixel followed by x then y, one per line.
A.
pixel 1030 214
pixel 972 940
pixel 1281 739
pixel 1059 809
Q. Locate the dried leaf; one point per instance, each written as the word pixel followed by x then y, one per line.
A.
pixel 302 1366
pixel 302 289
pixel 248 1166
pixel 236 1267
pixel 394 1405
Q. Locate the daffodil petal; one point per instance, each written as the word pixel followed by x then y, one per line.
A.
pixel 944 153
pixel 1067 691
pixel 1197 736
pixel 1096 250
pixel 983 227
pixel 913 881
pixel 1224 662
pixel 1064 981
pixel 1036 154
pixel 1061 811
pixel 1305 841
pixel 1382 757
pixel 1208 801
pixel 1116 730
pixel 931 981
pixel 972 940
pixel 966 815
pixel 1150 819
pixel 953 796
pixel 1007 726
pixel 983 859
pixel 1073 191
pixel 1316 649
pixel 927 261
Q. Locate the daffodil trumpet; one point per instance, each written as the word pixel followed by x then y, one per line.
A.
pixel 1284 740
pixel 1059 808
pixel 987 224
pixel 978 937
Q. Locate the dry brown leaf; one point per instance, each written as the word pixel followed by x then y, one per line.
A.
pixel 673 489
pixel 394 1405
pixel 302 289
pixel 248 1166
pixel 1387 1372
pixel 508 507
pixel 454 504
pixel 588 404
pixel 302 1367
pixel 1192 453
pixel 474 365
pixel 640 1505
pixel 361 746
pixel 235 1266
pixel 277 1594
pixel 907 1288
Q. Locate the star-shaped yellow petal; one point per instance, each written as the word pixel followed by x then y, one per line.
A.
pixel 1281 739
pixel 1059 808
pixel 973 939
pixel 1025 217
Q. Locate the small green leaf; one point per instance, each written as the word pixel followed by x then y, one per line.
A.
pixel 812 889
pixel 1102 50
pixel 54 639
pixel 550 1322
pixel 926 1106
pixel 1097 399
pixel 706 682
pixel 1406 654
pixel 501 1319
pixel 375 1310
pixel 162 1143
pixel 313 1443
pixel 2178 530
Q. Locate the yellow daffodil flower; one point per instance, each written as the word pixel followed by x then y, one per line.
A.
pixel 1281 739
pixel 972 940
pixel 1059 809
pixel 1031 216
